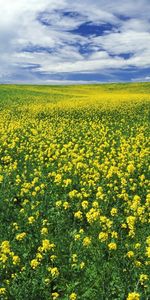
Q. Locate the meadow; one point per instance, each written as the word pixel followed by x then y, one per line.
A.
pixel 74 192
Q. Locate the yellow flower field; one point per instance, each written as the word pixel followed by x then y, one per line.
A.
pixel 74 192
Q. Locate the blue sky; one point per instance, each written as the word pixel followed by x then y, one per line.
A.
pixel 61 42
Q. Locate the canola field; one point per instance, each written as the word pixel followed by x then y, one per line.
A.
pixel 74 192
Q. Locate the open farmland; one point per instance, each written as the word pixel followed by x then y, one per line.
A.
pixel 74 192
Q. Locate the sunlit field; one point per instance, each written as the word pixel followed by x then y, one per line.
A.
pixel 74 192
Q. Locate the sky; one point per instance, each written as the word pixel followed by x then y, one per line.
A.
pixel 66 42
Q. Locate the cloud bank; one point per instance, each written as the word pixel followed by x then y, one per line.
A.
pixel 60 41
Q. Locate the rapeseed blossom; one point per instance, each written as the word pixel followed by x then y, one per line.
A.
pixel 34 263
pixel 86 241
pixel 133 296
pixel 21 236
pixel 73 296
pixel 103 236
pixel 112 246
pixel 74 192
pixel 55 295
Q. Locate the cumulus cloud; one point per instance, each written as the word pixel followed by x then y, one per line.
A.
pixel 55 38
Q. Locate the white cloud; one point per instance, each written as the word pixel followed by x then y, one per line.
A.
pixel 124 42
pixel 140 79
pixel 130 8
pixel 20 28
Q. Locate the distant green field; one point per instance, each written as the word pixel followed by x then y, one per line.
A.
pixel 11 93
pixel 74 192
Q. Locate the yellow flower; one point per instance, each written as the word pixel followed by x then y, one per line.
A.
pixel 82 265
pixel 37 189
pixel 67 182
pixel 136 198
pixel 53 257
pixel 95 204
pixel 54 271
pixel 130 168
pixel 58 203
pixel 44 231
pixel 39 256
pixel 13 275
pixel 103 236
pixel 113 211
pixel 137 245
pixel 92 215
pixel 44 222
pixel 78 215
pixel 15 225
pixel 130 254
pixel 58 178
pixel 114 234
pixel 133 296
pixel 148 240
pixel 131 225
pixel 86 241
pixel 112 246
pixel 25 202
pixel 137 263
pixel 33 193
pixel 148 252
pixel 66 205
pixel 72 194
pixel 55 295
pixel 1 178
pixel 31 220
pixel 143 278
pixel 21 236
pixel 47 281
pixel 74 257
pixel 46 245
pixel 77 237
pixel 73 296
pixel 148 200
pixel 131 222
pixel 85 204
pixel 16 260
pixel 2 291
pixel 124 225
pixel 3 258
pixel 5 247
pixel 34 263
